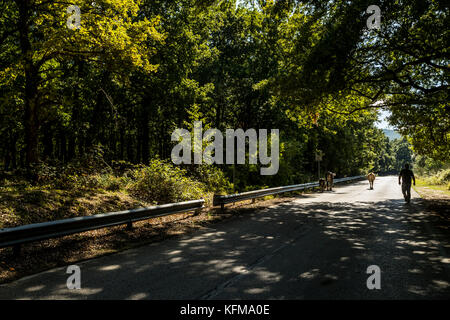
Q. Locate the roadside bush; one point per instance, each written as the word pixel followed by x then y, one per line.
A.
pixel 44 173
pixel 444 176
pixel 120 167
pixel 213 178
pixel 110 182
pixel 90 163
pixel 440 178
pixel 161 182
pixel 67 182
pixel 89 171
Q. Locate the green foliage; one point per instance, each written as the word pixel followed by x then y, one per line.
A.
pixel 331 61
pixel 111 182
pixel 432 171
pixel 440 178
pixel 92 162
pixel 426 166
pixel 87 172
pixel 138 69
pixel 213 179
pixel 444 176
pixel 403 153
pixel 161 182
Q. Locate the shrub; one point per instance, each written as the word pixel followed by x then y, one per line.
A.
pixel 69 181
pixel 161 182
pixel 440 178
pixel 88 171
pixel 44 173
pixel 443 177
pixel 110 182
pixel 121 167
pixel 90 163
pixel 213 178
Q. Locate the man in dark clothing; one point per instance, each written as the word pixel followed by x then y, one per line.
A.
pixel 406 175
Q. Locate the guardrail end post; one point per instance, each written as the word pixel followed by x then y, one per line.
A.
pixel 197 212
pixel 16 250
pixel 129 225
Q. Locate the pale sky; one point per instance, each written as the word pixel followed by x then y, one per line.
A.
pixel 382 122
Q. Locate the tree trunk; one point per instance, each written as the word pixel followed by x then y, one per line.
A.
pixel 139 147
pixel 14 152
pixel 63 146
pixel 122 141
pixel 145 136
pixel 7 160
pixel 31 121
pixel 48 141
pixel 130 153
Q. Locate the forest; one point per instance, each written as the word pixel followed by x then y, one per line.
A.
pixel 95 106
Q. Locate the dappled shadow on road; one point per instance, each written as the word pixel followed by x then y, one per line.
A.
pixel 349 238
pixel 291 251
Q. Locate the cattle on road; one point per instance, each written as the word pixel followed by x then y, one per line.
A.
pixel 371 178
pixel 330 177
pixel 322 184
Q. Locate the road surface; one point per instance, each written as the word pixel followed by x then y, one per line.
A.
pixel 316 247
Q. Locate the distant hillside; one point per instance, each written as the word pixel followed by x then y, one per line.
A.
pixel 391 134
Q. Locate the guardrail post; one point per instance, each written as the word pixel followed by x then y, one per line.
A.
pixel 222 207
pixel 16 250
pixel 130 225
pixel 253 200
pixel 197 212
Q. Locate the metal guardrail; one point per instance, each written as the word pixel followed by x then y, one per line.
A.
pixel 17 236
pixel 59 228
pixel 222 200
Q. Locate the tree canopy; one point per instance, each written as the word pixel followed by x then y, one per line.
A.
pixel 136 70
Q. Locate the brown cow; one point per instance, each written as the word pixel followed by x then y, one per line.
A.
pixel 329 177
pixel 371 178
pixel 322 184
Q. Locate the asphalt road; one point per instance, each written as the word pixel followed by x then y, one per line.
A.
pixel 317 247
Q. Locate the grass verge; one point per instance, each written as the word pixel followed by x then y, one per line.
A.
pixel 431 191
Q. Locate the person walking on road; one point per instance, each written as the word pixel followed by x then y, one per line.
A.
pixel 405 176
